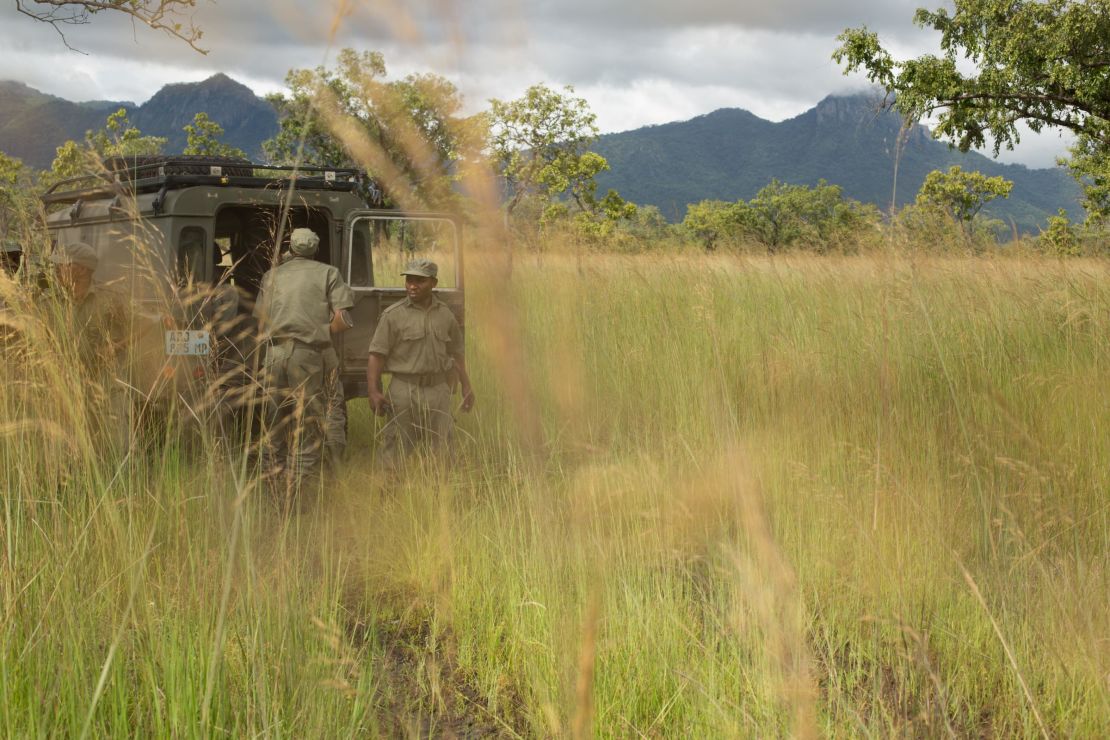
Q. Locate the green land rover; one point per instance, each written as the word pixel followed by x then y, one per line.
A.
pixel 185 241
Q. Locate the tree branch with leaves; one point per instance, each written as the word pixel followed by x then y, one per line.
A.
pixel 540 143
pixel 959 194
pixel 202 137
pixel 173 17
pixel 1044 63
pixel 408 133
pixel 118 138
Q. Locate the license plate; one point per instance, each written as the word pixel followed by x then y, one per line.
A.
pixel 187 343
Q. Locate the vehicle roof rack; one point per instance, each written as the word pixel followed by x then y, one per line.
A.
pixel 134 175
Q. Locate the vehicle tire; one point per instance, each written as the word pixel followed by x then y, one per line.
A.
pixel 128 167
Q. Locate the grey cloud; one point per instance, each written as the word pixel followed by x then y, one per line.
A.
pixel 793 15
pixel 243 35
pixel 636 61
pixel 228 24
pixel 771 63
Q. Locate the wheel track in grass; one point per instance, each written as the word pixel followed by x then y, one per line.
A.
pixel 426 693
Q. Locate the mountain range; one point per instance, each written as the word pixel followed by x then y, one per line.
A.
pixel 850 141
pixel 728 154
pixel 34 124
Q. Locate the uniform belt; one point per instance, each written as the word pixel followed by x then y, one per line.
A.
pixel 421 379
pixel 298 344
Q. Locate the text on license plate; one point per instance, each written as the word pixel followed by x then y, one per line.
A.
pixel 187 343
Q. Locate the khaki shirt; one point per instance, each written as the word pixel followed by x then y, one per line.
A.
pixel 418 341
pixel 298 299
pixel 101 324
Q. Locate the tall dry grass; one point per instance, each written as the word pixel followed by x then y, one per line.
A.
pixel 699 496
pixel 806 496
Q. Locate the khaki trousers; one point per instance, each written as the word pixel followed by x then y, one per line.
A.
pixel 297 379
pixel 420 414
pixel 335 428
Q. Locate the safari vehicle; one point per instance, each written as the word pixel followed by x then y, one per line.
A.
pixel 167 229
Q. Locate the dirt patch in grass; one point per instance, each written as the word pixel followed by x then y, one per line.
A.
pixel 424 691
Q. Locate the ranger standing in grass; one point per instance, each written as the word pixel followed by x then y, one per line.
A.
pixel 418 341
pixel 100 328
pixel 301 303
pixel 98 321
pixel 74 265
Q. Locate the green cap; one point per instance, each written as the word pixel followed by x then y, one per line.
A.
pixel 77 253
pixel 421 268
pixel 11 246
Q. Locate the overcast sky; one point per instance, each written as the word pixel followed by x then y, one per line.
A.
pixel 637 62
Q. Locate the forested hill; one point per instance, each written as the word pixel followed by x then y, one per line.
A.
pixel 247 119
pixel 730 154
pixel 727 155
pixel 33 125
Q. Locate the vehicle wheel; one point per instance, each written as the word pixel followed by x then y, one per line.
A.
pixel 128 167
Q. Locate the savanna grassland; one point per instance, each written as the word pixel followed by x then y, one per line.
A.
pixel 698 497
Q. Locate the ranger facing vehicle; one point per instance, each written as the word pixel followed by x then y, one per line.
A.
pixel 186 241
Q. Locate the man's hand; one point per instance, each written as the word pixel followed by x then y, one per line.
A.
pixel 341 321
pixel 467 399
pixel 379 404
pixel 464 382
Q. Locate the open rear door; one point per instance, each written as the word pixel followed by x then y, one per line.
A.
pixel 376 247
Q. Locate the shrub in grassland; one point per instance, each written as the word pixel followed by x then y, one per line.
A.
pixel 1060 238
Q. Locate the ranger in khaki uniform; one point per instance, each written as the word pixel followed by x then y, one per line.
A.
pixel 419 343
pixel 96 319
pixel 99 326
pixel 301 303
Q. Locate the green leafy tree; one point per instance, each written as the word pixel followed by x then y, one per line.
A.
pixel 711 220
pixel 540 143
pixel 1090 165
pixel 70 160
pixel 426 135
pixel 777 216
pixel 302 132
pixel 1060 238
pixel 602 217
pixel 202 137
pixel 783 215
pixel 16 201
pixel 1044 63
pixel 649 225
pixel 961 195
pixel 615 208
pixel 118 138
pixel 932 230
pixel 407 133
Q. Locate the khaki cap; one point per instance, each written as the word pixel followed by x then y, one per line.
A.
pixel 421 268
pixel 77 253
pixel 303 242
